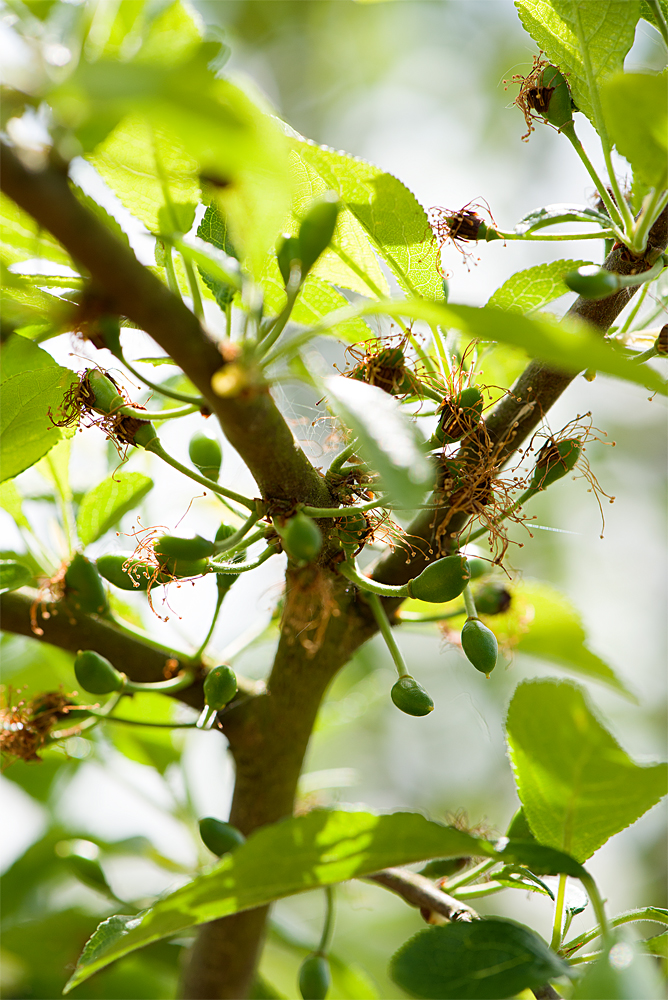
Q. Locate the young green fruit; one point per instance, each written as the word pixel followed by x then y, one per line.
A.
pixel 225 580
pixel 220 687
pixel 287 254
pixel 144 434
pixel 84 590
pixel 352 530
pixel 478 567
pixel 301 538
pixel 96 674
pixel 182 569
pixel 410 697
pixel 206 455
pixel 480 645
pixel 441 581
pixel 184 548
pixel 552 98
pixel 219 837
pixel 127 573
pixel 460 414
pixel 314 977
pixel 106 397
pixel 554 461
pixel 492 599
pixel 592 282
pixel 317 229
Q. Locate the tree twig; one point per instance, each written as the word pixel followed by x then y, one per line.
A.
pixel 423 893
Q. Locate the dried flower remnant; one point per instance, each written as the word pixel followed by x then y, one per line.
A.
pixel 25 727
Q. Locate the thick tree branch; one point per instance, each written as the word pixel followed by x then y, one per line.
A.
pixel 253 425
pixel 421 892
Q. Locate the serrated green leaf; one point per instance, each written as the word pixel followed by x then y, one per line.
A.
pixel 635 106
pixel 13 575
pixel 551 215
pixel 26 429
pixel 571 346
pixel 21 238
pixel 482 960
pixel 389 213
pixel 101 214
pixel 213 229
pixel 563 29
pixel 106 503
pixel 649 15
pixel 532 289
pixel 10 500
pixel 18 354
pixel 576 784
pixel 388 439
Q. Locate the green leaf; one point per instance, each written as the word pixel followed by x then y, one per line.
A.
pixel 292 856
pixel 106 503
pixel 13 575
pixel 552 215
pixel 10 500
pixel 19 354
pixel 297 854
pixel 563 29
pixel 621 973
pixel 532 289
pixel 26 430
pixel 635 106
pixel 649 15
pixel 482 960
pixel 389 439
pixel 152 747
pixel 391 216
pixel 213 229
pixel 657 945
pixel 576 784
pixel 101 214
pixel 571 346
pixel 21 238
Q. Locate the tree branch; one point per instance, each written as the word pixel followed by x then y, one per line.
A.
pixel 253 425
pixel 421 892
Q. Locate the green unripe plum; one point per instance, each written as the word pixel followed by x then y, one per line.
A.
pixel 184 548
pixel 301 538
pixel 182 569
pixel 206 455
pixel 460 414
pixel 555 94
pixel 219 837
pixel 84 590
pixel 352 530
pixel 220 686
pixel 287 253
pixel 478 567
pixel 492 599
pixel 317 229
pixel 441 581
pixel 107 398
pixel 411 698
pixel 480 645
pixel 314 977
pixel 96 674
pixel 390 357
pixel 127 573
pixel 144 434
pixel 554 461
pixel 592 282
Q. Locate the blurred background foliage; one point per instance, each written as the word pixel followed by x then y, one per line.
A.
pixel 418 88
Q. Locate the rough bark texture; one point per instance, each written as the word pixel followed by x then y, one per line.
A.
pixel 324 621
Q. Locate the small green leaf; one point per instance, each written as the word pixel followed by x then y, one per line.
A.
pixel 389 440
pixel 10 500
pixel 106 503
pixel 13 575
pixel 391 216
pixel 562 28
pixel 636 114
pixel 552 215
pixel 26 430
pixel 532 289
pixel 576 784
pixel 20 355
pixel 213 229
pixel 482 960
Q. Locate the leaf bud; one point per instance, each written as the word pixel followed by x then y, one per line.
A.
pixel 555 459
pixel 301 538
pixel 441 581
pixel 492 599
pixel 220 687
pixel 219 837
pixel 96 674
pixel 410 697
pixel 205 454
pixel 592 282
pixel 84 590
pixel 480 645
pixel 317 229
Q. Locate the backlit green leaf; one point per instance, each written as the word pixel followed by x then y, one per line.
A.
pixel 576 784
pixel 10 500
pixel 21 238
pixel 532 289
pixel 18 354
pixel 564 29
pixel 26 429
pixel 106 503
pixel 482 960
pixel 389 439
pixel 13 575
pixel 636 113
